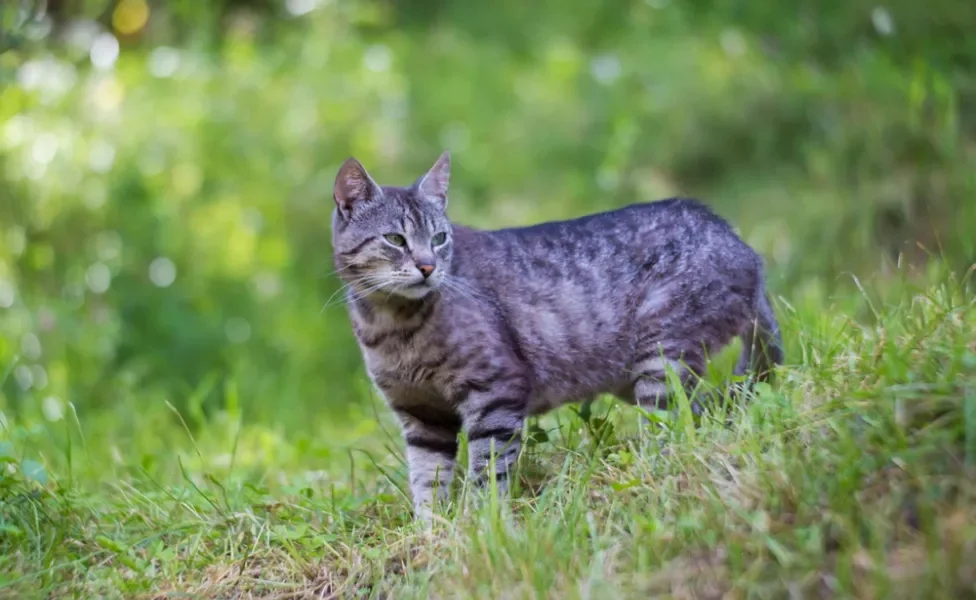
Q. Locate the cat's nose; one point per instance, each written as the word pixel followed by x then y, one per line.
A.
pixel 426 270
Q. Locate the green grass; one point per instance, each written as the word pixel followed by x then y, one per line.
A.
pixel 853 475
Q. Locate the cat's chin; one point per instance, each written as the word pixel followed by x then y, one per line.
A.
pixel 416 291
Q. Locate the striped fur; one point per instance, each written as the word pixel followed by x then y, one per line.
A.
pixel 516 322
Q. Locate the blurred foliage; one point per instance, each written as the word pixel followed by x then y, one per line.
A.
pixel 166 167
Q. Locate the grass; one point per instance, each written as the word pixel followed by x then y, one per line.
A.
pixel 853 475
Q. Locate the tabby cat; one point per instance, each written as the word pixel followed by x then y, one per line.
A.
pixel 477 330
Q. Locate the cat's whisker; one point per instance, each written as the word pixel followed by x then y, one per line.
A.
pixel 339 296
pixel 452 287
pixel 390 289
pixel 345 286
pixel 337 271
pixel 341 289
pixel 463 288
pixel 467 285
pixel 360 293
pixel 367 291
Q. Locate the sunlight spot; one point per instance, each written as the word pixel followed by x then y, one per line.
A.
pixel 108 245
pixel 222 461
pixel 29 75
pixel 298 8
pixel 40 377
pixel 106 95
pixel 30 346
pixel 733 43
pixel 267 284
pixel 237 330
pixel 80 34
pixel 45 148
pixel 606 68
pixel 7 294
pixel 51 77
pixel 163 62
pixel 98 277
pixel 130 16
pixel 104 51
pixel 17 130
pixel 101 157
pixel 24 377
pixel 162 272
pixel 35 170
pixel 52 408
pixel 377 58
pixel 882 20
pixel 39 28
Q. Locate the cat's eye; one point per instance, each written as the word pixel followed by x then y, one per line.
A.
pixel 396 239
pixel 439 239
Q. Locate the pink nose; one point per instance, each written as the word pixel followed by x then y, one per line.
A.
pixel 426 270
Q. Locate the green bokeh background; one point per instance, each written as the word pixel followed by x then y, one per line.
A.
pixel 164 213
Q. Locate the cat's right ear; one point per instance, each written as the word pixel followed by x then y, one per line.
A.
pixel 434 182
pixel 353 186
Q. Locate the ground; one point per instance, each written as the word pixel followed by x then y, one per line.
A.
pixel 850 475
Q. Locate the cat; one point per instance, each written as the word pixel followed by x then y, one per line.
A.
pixel 464 329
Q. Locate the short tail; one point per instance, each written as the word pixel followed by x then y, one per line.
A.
pixel 762 342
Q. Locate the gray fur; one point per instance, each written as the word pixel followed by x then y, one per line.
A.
pixel 516 322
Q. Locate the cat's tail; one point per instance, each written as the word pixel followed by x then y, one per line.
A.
pixel 762 342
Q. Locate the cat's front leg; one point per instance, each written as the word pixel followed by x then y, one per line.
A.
pixel 431 435
pixel 493 421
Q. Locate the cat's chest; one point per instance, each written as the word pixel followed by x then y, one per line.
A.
pixel 407 377
pixel 408 363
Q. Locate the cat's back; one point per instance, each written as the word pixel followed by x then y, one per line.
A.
pixel 648 235
pixel 636 216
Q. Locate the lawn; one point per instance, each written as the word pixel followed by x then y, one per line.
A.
pixel 851 475
pixel 183 412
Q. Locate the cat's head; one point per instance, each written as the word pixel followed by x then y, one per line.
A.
pixel 392 240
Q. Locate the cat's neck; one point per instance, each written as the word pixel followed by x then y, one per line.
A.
pixel 382 304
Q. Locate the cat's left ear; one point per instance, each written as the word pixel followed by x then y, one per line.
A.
pixel 353 187
pixel 433 184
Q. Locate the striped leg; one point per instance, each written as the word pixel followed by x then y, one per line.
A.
pixel 650 373
pixel 432 445
pixel 493 420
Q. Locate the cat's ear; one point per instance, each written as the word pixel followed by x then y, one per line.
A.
pixel 433 184
pixel 353 186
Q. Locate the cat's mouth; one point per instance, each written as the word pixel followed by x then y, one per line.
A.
pixel 417 290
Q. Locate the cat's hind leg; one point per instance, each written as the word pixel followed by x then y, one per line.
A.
pixel 650 368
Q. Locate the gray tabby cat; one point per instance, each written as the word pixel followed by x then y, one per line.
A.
pixel 477 330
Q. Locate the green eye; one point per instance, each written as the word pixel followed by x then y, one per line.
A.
pixel 396 239
pixel 439 239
